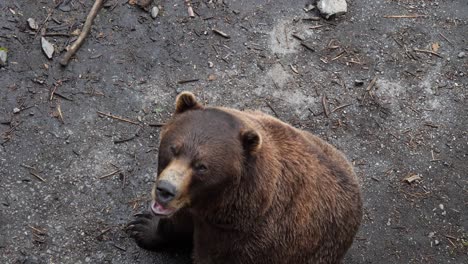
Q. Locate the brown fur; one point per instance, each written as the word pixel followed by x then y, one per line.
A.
pixel 272 193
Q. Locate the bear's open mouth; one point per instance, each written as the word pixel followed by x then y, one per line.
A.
pixel 160 210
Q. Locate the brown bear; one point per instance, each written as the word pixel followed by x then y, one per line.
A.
pixel 244 187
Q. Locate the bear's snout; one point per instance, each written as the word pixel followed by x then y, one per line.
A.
pixel 165 192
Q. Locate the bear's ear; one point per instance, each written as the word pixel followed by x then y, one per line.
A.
pixel 251 140
pixel 186 101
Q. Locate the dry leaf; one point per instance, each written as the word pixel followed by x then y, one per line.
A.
pixel 435 46
pixel 132 2
pixel 211 77
pixel 76 32
pixel 412 178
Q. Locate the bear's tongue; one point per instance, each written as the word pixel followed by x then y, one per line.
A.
pixel 160 210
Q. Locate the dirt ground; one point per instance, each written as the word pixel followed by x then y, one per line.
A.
pixel 71 178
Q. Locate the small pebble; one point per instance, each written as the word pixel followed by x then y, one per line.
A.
pixel 441 206
pixel 154 12
pixel 461 55
pixel 32 24
pixel 436 242
pixel 3 56
pixel 16 110
pixel 210 64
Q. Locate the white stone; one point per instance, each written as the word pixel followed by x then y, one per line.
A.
pixel 154 12
pixel 332 7
pixel 3 56
pixel 32 23
pixel 47 47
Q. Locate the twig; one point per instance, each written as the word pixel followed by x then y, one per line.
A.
pixel 84 33
pixel 187 81
pixel 371 84
pixel 404 16
pixel 340 107
pixel 272 109
pixel 52 93
pixel 110 174
pixel 339 55
pixel 222 34
pixel 37 230
pixel 157 125
pixel 316 27
pixel 442 35
pixel 324 105
pixel 118 118
pixel 43 23
pixel 56 35
pixel 428 51
pixel 28 167
pixel 433 157
pixel 37 176
pixel 118 141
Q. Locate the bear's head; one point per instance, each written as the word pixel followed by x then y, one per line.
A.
pixel 202 156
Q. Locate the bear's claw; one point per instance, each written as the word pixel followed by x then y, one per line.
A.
pixel 144 230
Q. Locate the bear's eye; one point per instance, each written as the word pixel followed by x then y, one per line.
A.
pixel 200 167
pixel 174 150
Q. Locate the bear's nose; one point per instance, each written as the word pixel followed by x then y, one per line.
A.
pixel 165 192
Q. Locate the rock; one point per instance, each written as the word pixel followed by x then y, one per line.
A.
pixel 309 8
pixel 436 242
pixel 47 47
pixel 3 56
pixel 330 8
pixel 65 6
pixel 154 12
pixel 461 55
pixel 32 24
pixel 16 110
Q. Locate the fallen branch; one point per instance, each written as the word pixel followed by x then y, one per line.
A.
pixel 84 33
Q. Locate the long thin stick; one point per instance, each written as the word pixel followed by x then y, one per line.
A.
pixel 84 33
pixel 428 51
pixel 404 16
pixel 118 118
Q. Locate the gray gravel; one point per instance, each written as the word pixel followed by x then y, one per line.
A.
pixel 412 119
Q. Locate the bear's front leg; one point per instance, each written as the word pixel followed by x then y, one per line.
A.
pixel 154 233
pixel 144 229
